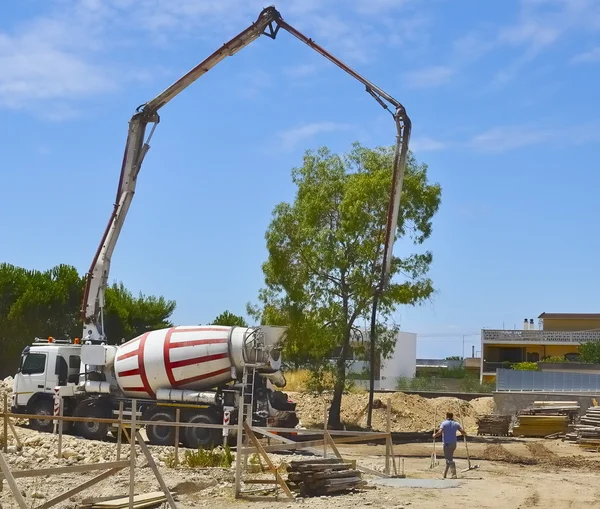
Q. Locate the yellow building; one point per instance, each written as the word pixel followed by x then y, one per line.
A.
pixel 557 335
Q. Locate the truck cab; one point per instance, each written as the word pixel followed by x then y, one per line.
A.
pixel 44 365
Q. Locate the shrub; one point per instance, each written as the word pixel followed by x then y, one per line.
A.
pixel 202 458
pixel 555 358
pixel 525 366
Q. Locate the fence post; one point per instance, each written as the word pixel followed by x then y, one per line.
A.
pixel 132 452
pixel 5 439
pixel 120 431
pixel 56 411
pixel 60 425
pixel 177 417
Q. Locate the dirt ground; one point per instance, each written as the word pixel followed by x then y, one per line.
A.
pixel 512 473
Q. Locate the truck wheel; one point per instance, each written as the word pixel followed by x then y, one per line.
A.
pixel 91 430
pixel 42 407
pixel 160 435
pixel 204 438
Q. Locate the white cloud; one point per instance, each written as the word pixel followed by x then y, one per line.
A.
pixel 292 137
pixel 501 139
pixel 76 49
pixel 36 68
pixel 426 144
pixel 429 77
pixel 590 56
pixel 300 70
pixel 540 25
pixel 505 138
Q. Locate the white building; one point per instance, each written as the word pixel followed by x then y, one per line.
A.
pixel 402 363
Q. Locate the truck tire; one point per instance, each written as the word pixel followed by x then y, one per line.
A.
pixel 157 434
pixel 43 406
pixel 91 430
pixel 205 438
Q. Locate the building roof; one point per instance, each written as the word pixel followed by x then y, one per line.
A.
pixel 571 316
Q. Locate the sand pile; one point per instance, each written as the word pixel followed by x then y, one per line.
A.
pixel 410 412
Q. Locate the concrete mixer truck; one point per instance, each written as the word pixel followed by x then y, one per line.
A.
pixel 198 370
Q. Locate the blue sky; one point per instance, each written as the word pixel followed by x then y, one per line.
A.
pixel 501 96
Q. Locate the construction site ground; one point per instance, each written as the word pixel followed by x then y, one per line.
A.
pixel 513 472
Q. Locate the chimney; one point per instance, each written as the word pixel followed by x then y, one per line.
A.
pixel 525 324
pixel 473 351
pixel 531 325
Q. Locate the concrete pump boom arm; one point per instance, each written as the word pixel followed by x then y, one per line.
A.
pixel 268 23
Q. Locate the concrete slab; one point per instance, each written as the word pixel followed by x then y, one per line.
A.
pixel 438 484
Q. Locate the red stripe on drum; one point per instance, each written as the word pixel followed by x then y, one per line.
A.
pixel 194 342
pixel 127 355
pixel 129 372
pixel 201 377
pixel 198 360
pixel 134 389
pixel 166 357
pixel 143 374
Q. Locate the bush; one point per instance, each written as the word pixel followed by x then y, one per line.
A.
pixel 429 383
pixel 202 458
pixel 555 358
pixel 472 384
pixel 590 352
pixel 525 366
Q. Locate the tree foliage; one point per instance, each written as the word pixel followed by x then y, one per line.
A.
pixel 325 251
pixel 228 318
pixel 590 352
pixel 47 303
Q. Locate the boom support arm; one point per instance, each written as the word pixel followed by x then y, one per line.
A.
pixel 268 23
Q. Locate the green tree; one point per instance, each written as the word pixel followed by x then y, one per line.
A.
pixel 590 352
pixel 127 316
pixel 47 303
pixel 228 318
pixel 325 251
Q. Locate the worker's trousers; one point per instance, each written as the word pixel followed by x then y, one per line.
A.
pixel 449 457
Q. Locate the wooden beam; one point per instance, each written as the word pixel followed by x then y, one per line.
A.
pixel 68 470
pixel 68 494
pixel 154 468
pixel 11 482
pixel 265 456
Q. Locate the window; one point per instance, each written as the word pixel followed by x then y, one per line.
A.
pixel 34 364
pixel 74 362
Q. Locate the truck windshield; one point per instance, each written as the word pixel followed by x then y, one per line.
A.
pixel 34 364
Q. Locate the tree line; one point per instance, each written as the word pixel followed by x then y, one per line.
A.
pixel 322 270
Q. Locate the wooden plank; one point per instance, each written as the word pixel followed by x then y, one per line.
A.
pixel 68 494
pixel 154 468
pixel 68 470
pixel 14 432
pixel 119 502
pixel 11 482
pixel 265 456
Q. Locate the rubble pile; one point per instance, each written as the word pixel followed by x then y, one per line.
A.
pixel 410 412
pixel 6 388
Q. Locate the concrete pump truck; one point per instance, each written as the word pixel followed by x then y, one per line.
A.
pixel 196 369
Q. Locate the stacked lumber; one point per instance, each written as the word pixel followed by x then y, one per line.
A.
pixel 540 425
pixel 587 432
pixel 496 425
pixel 318 477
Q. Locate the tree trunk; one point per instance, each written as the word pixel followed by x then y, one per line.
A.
pixel 335 412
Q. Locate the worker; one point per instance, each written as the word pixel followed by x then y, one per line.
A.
pixel 448 430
